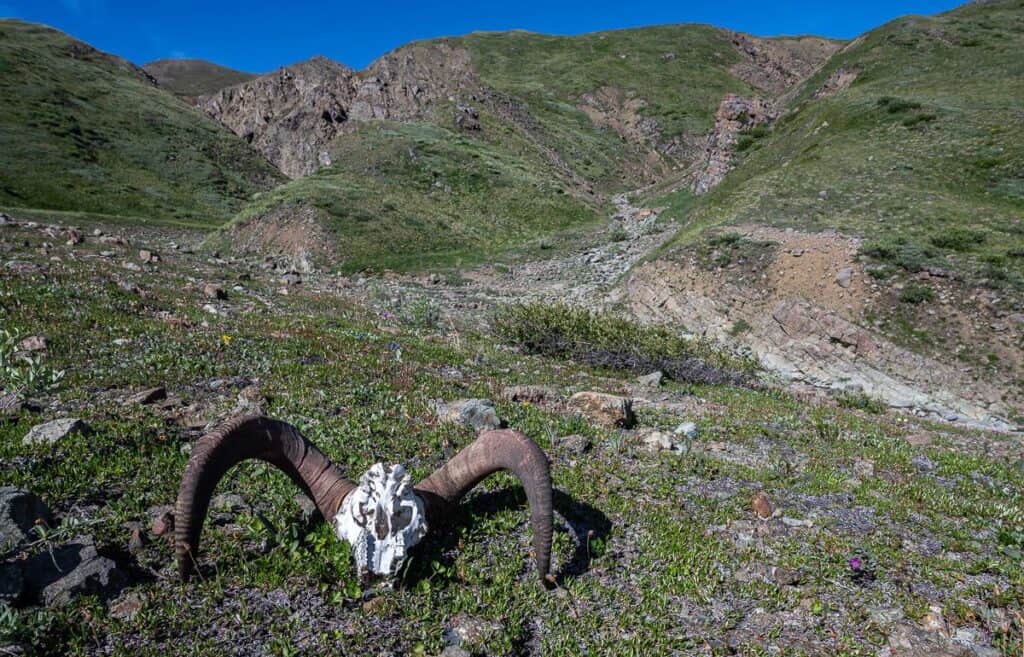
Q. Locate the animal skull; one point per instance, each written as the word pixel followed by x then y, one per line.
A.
pixel 382 518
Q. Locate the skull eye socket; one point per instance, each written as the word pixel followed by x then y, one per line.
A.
pixel 401 519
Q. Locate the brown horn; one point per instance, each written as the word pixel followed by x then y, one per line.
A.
pixel 239 439
pixel 493 451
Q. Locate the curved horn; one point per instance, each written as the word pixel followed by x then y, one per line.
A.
pixel 239 439
pixel 493 451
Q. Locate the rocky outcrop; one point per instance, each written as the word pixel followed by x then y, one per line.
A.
pixel 734 115
pixel 806 331
pixel 289 115
pixel 839 79
pixel 779 64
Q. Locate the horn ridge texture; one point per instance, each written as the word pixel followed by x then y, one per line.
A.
pixel 239 439
pixel 493 451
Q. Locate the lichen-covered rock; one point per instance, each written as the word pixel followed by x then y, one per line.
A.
pixel 51 432
pixel 477 413
pixel 20 510
pixel 532 394
pixel 608 410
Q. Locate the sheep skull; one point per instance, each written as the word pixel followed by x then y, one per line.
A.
pixel 382 518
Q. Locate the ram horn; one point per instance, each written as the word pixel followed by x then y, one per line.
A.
pixel 493 451
pixel 239 439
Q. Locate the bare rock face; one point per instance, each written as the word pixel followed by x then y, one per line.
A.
pixel 288 115
pixel 291 114
pixel 734 115
pixel 57 576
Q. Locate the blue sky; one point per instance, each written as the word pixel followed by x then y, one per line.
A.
pixel 260 36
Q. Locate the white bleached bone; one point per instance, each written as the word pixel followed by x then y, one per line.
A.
pixel 381 519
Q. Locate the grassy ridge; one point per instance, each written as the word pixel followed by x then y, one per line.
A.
pixel 194 77
pixel 402 195
pixel 923 153
pixel 84 131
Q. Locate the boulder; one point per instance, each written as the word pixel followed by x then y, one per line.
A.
pixel 844 277
pixel 479 414
pixel 650 381
pixel 20 510
pixel 608 410
pixel 658 441
pixel 51 432
pixel 55 577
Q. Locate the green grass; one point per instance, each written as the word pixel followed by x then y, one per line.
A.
pixel 923 154
pixel 660 575
pixel 408 196
pixel 194 77
pixel 82 131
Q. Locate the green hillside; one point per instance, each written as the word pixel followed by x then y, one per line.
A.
pixel 923 154
pixel 410 195
pixel 84 131
pixel 193 77
pixel 539 164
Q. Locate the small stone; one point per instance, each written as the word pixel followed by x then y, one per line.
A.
pixel 136 541
pixel 786 576
pixel 74 237
pixel 762 505
pixel 130 266
pixel 163 524
pixel 375 605
pixel 470 632
pixel 885 617
pixel 650 381
pixel 149 396
pixel 251 401
pixel 477 413
pixel 230 502
pixel 292 278
pixel 575 444
pixel 214 291
pixel 844 277
pixel 34 343
pixel 933 620
pixel 656 441
pixel 147 256
pixel 51 432
pixel 688 429
pixel 922 463
pixel 127 606
pixel 864 468
pixel 609 410
pixel 919 439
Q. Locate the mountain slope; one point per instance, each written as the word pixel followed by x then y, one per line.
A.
pixel 873 237
pixel 528 134
pixel 194 77
pixel 84 131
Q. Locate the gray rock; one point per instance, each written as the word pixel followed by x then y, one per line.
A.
pixel 291 278
pixel 922 463
pixel 688 429
pixel 20 510
pixel 911 641
pixel 844 277
pixel 12 583
pixel 148 396
pixel 51 432
pixel 651 381
pixel 658 441
pixel 575 444
pixel 470 632
pixel 533 394
pixel 55 577
pixel 477 413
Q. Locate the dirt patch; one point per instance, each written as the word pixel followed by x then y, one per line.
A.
pixel 840 79
pixel 806 315
pixel 294 232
